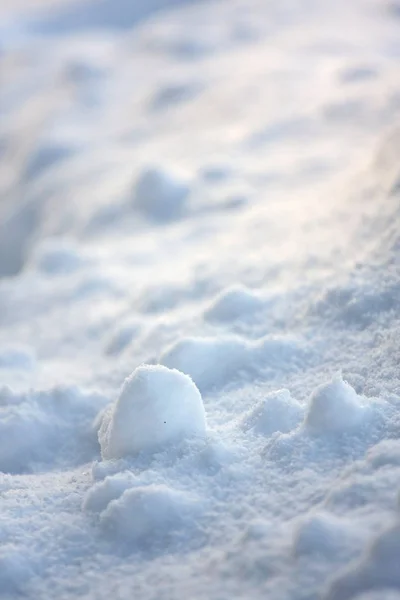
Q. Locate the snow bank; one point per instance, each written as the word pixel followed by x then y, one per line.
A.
pixel 160 194
pixel 334 407
pixel 149 515
pixel 156 406
pixel 278 411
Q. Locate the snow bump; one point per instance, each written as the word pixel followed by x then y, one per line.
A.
pixel 157 406
pixel 150 514
pixel 160 194
pixel 334 407
pixel 233 303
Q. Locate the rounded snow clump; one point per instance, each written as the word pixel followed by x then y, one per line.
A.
pixel 156 406
pixel 278 411
pixel 233 303
pixel 160 194
pixel 149 514
pixel 334 407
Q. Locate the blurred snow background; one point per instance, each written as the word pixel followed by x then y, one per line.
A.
pixel 211 189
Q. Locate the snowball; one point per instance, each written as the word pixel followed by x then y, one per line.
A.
pixel 233 303
pixel 334 407
pixel 103 492
pixel 278 411
pixel 150 514
pixel 160 194
pixel 156 406
pixel 210 362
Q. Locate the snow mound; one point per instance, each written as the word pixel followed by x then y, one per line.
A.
pixel 150 514
pixel 334 407
pixel 378 568
pixel 103 492
pixel 17 357
pixel 121 338
pixel 278 411
pixel 38 428
pixel 209 362
pixel 214 362
pixel 156 406
pixel 234 303
pixel 160 194
pixel 321 534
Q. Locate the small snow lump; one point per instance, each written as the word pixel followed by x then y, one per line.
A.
pixel 334 407
pixel 156 406
pixel 278 411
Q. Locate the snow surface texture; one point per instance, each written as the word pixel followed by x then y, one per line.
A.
pixel 199 202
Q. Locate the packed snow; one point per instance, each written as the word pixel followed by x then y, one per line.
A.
pixel 200 299
pixel 157 406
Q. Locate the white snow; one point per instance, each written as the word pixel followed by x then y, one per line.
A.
pixel 334 407
pixel 150 514
pixel 278 411
pixel 156 406
pixel 160 194
pixel 199 299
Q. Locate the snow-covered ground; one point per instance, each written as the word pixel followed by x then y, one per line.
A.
pixel 200 299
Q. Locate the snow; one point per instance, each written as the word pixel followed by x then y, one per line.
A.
pixel 278 411
pixel 160 194
pixel 334 407
pixel 149 515
pixel 234 303
pixel 157 406
pixel 199 299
